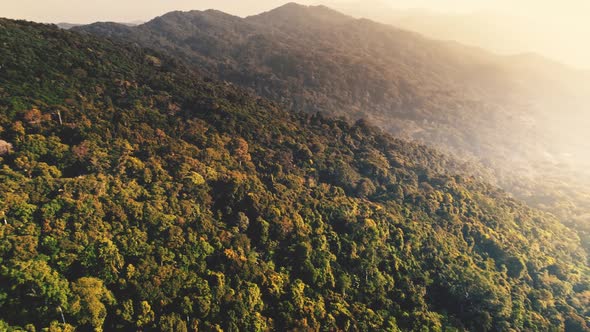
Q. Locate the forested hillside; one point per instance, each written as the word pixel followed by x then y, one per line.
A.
pixel 314 58
pixel 137 195
pixel 523 119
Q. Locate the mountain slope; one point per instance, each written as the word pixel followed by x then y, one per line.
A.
pixel 138 195
pixel 505 33
pixel 313 58
pixel 522 119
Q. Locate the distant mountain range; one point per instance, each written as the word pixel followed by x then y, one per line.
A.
pixel 504 33
pixel 67 26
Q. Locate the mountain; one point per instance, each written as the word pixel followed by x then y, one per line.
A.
pixel 300 39
pixel 523 119
pixel 68 26
pixel 509 32
pixel 138 194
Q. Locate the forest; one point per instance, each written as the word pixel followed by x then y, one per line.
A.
pixel 520 121
pixel 137 193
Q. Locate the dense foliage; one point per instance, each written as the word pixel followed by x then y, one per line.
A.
pixel 522 119
pixel 137 195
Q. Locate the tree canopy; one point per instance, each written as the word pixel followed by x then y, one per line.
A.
pixel 139 195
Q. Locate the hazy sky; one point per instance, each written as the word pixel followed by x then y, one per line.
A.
pixel 84 11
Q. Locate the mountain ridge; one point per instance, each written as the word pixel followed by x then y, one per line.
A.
pixel 503 32
pixel 523 123
pixel 501 88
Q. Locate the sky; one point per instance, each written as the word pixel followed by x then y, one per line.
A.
pixel 562 25
pixel 81 11
pixel 87 11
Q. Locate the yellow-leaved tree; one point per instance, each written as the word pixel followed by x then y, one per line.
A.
pixel 90 300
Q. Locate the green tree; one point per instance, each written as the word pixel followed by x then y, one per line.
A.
pixel 90 300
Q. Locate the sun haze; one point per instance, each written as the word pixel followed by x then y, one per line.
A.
pixel 556 29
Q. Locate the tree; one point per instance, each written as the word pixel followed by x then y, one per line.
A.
pixel 90 300
pixel 365 188
pixel 242 222
pixel 146 315
pixel 38 288
pixel 59 327
pixel 241 153
pixel 5 147
pixel 172 323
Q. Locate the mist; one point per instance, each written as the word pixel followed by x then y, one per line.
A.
pixel 556 30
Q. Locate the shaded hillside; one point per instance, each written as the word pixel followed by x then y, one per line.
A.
pixel 313 58
pixel 137 195
pixel 522 119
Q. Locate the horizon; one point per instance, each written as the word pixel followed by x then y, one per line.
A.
pixel 554 31
pixel 60 11
pixel 65 11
